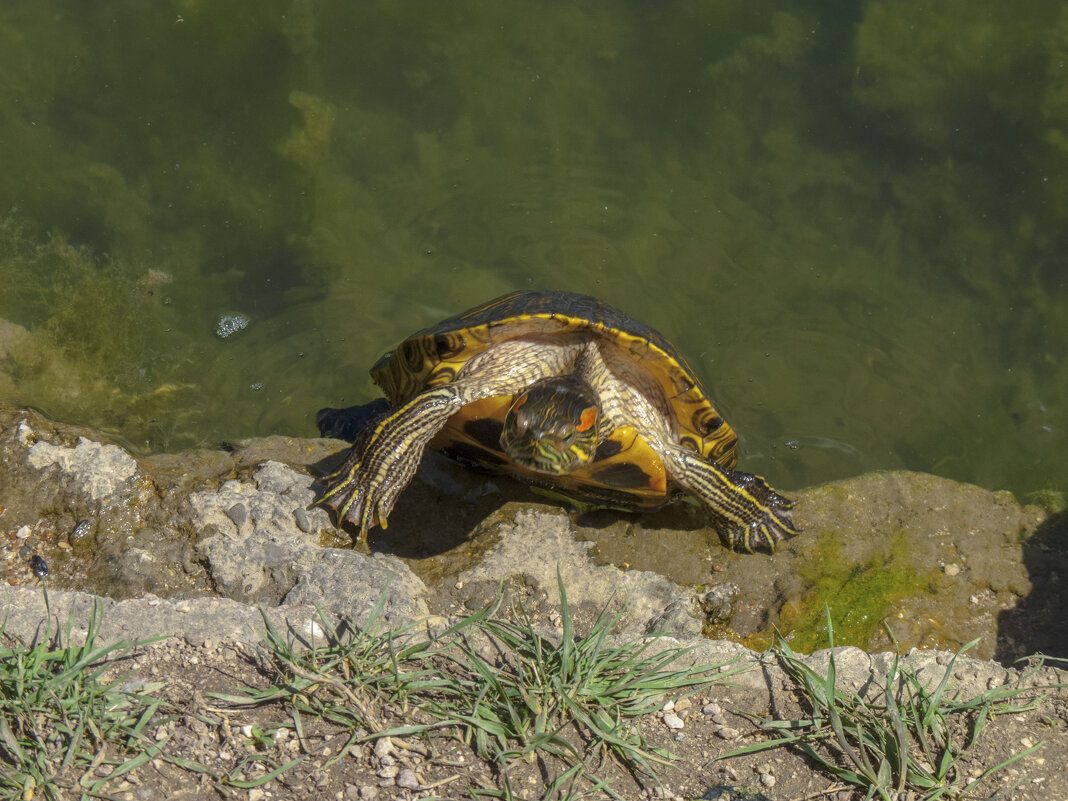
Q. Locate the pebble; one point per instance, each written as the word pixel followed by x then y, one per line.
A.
pixel 727 733
pixel 683 704
pixel 673 721
pixel 711 708
pixel 408 780
pixel 82 533
pixel 238 513
pixel 389 772
pixel 256 794
pixel 383 746
pixel 951 570
pixel 39 566
pixel 301 516
pixel 767 780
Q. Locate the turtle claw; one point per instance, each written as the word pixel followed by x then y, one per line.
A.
pixel 357 498
pixel 353 499
pixel 763 533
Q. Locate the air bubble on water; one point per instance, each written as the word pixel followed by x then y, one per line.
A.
pixel 256 387
pixel 230 324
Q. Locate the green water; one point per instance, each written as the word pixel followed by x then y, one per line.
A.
pixel 851 217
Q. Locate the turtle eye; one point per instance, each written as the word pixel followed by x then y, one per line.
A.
pixel 522 421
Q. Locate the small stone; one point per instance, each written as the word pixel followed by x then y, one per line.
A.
pixel 238 513
pixel 82 533
pixel 256 794
pixel 673 721
pixel 683 704
pixel 951 570
pixel 669 706
pixel 408 780
pixel 719 719
pixel 388 772
pixel 301 516
pixel 727 733
pixel 383 746
pixel 368 793
pixel 767 780
pixel 711 708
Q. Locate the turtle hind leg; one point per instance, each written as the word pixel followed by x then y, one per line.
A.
pixel 748 514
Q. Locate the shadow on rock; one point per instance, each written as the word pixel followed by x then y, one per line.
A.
pixel 1038 624
pixel 437 512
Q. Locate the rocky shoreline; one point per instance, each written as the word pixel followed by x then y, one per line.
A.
pixel 898 557
pixel 198 547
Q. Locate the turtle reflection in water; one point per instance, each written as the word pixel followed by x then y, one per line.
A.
pixel 564 391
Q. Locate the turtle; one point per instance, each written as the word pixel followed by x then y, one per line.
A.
pixel 563 391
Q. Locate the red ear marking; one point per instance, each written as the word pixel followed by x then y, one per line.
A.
pixel 520 401
pixel 587 419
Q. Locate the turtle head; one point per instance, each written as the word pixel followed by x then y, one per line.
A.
pixel 552 425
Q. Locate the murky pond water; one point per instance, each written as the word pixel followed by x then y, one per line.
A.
pixel 214 217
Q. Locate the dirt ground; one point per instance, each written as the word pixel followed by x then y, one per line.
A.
pixel 205 730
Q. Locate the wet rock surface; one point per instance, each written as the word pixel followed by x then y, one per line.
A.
pixel 908 557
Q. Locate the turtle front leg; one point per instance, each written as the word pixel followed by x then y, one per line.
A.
pixel 384 458
pixel 747 512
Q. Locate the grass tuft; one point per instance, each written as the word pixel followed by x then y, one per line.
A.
pixel 64 733
pixel 912 742
pixel 511 692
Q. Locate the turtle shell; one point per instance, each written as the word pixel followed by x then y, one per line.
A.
pixel 626 470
